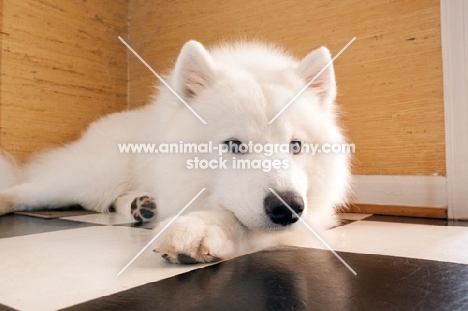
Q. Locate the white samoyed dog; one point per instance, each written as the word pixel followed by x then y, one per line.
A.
pixel 237 89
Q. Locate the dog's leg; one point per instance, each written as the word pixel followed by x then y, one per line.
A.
pixel 30 196
pixel 35 195
pixel 136 205
pixel 69 176
pixel 204 236
pixel 7 202
pixel 64 185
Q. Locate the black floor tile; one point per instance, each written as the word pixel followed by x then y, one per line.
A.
pixel 18 225
pixel 140 225
pixel 5 308
pixel 302 279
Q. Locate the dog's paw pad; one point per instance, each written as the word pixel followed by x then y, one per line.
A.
pixel 181 258
pixel 186 259
pixel 189 260
pixel 143 208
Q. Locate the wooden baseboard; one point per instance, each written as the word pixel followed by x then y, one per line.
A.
pixel 408 211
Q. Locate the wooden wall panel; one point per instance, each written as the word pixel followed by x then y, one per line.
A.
pixel 390 79
pixel 62 67
pixel 407 211
pixel 1 66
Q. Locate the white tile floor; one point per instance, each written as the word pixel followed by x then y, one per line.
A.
pixel 110 219
pixel 53 270
pixel 399 239
pixel 57 269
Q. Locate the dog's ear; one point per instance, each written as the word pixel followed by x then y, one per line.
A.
pixel 194 69
pixel 324 84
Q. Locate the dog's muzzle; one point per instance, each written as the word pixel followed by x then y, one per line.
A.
pixel 281 214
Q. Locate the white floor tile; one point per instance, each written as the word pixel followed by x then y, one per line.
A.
pixel 58 269
pixel 102 219
pixel 397 239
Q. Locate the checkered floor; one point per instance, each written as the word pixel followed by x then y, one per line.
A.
pixel 72 262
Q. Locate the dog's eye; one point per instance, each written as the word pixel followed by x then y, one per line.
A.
pixel 295 146
pixel 235 146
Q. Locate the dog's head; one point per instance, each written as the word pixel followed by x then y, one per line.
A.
pixel 252 95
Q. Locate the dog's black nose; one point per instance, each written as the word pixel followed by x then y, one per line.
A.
pixel 280 213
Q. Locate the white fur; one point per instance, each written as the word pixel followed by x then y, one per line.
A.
pixel 236 89
pixel 10 171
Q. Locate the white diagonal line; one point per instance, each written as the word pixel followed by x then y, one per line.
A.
pixel 160 232
pixel 162 81
pixel 312 81
pixel 313 231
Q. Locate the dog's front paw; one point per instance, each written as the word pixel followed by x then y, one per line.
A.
pixel 191 240
pixel 143 208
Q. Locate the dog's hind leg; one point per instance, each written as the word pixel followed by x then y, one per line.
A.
pixel 29 196
pixel 91 182
pixel 46 195
pixel 7 202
